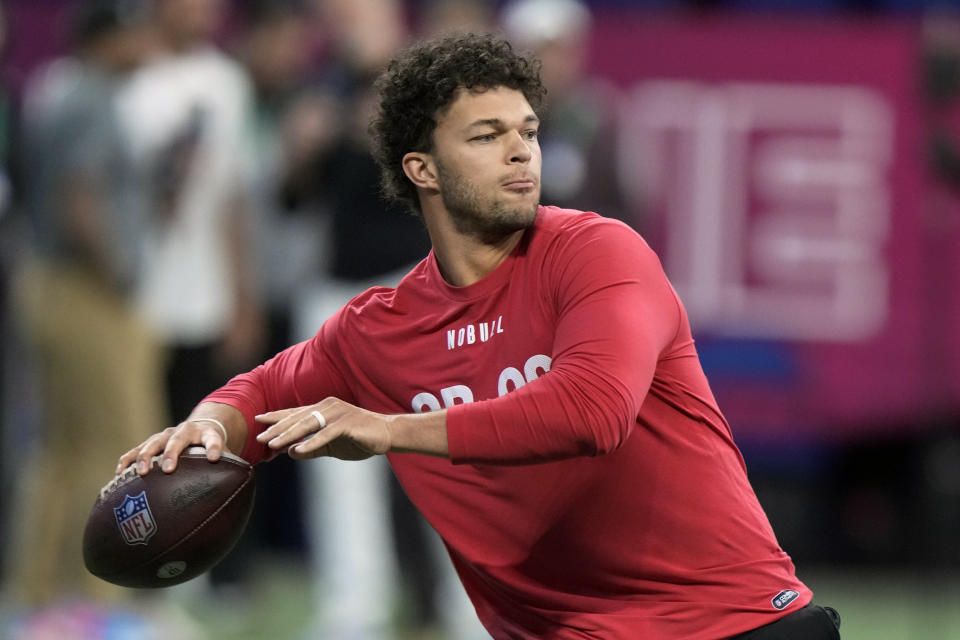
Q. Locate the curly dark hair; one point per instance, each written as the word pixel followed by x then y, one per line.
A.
pixel 421 83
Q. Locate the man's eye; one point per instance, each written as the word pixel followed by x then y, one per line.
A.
pixel 531 134
pixel 487 137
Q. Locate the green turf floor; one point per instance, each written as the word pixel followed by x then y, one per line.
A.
pixel 874 605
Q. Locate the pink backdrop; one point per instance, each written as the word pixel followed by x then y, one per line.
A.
pixel 778 167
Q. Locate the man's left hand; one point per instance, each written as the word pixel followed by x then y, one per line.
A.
pixel 331 428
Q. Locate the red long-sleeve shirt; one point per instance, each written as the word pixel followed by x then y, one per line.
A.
pixel 593 488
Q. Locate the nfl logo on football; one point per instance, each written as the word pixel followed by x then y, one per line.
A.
pixel 135 519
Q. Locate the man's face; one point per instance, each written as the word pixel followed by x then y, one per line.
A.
pixel 488 162
pixel 191 20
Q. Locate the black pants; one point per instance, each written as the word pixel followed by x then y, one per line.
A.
pixel 809 623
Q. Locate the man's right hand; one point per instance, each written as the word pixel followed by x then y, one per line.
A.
pixel 201 428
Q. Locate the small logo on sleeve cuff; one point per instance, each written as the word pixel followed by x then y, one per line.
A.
pixel 783 599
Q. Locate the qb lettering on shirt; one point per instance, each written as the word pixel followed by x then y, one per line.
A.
pixel 510 379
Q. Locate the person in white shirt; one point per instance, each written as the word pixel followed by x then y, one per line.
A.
pixel 186 115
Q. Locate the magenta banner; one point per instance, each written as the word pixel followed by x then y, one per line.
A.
pixel 778 166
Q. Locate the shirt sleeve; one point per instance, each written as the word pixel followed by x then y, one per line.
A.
pixel 300 375
pixel 616 314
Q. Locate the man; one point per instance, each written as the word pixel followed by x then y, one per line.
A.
pixel 186 114
pixel 534 384
pixel 98 364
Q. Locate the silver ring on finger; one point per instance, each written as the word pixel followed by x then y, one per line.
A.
pixel 320 419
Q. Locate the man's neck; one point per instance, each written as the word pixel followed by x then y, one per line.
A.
pixel 465 259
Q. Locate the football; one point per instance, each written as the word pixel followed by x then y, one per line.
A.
pixel 163 529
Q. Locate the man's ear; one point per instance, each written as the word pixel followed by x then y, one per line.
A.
pixel 421 170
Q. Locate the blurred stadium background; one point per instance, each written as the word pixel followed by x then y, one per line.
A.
pixel 796 163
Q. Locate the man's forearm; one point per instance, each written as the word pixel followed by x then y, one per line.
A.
pixel 230 417
pixel 424 433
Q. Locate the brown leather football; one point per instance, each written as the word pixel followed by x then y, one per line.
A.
pixel 163 529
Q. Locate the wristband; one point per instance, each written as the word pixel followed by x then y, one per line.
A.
pixel 216 422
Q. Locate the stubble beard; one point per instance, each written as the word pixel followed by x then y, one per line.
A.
pixel 487 218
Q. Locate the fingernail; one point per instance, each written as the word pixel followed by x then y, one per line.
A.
pixel 119 469
pixel 168 465
pixel 141 467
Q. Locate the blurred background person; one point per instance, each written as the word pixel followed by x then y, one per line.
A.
pixel 290 122
pixel 278 46
pixel 579 135
pixel 99 364
pixel 187 114
pixel 362 580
